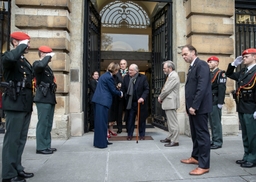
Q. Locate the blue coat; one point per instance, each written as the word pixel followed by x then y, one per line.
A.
pixel 198 89
pixel 105 90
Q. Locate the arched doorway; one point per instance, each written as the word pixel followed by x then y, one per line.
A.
pixel 139 32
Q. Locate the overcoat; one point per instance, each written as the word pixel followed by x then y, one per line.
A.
pixel 141 90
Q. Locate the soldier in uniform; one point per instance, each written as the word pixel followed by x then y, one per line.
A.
pixel 218 79
pixel 17 104
pixel 245 97
pixel 45 100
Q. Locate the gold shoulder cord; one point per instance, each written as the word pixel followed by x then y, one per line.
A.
pixel 215 76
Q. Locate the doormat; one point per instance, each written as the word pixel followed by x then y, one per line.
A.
pixel 124 138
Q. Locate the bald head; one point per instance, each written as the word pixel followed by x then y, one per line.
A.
pixel 133 69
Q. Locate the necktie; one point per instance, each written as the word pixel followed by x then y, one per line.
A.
pixel 189 69
pixel 165 82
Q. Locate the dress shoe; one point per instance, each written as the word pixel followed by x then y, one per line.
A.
pixel 172 144
pixel 240 161
pixel 108 135
pixel 119 131
pixel 109 143
pixel 142 138
pixel 23 174
pixel 52 149
pixel 199 171
pixel 190 160
pixel 129 138
pixel 248 164
pixel 46 151
pixel 15 179
pixel 215 147
pixel 165 141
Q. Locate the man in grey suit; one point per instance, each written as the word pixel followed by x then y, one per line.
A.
pixel 170 100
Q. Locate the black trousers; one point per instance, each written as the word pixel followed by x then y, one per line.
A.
pixel 201 139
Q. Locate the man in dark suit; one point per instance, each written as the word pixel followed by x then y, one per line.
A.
pixel 121 104
pixel 92 86
pixel 17 104
pixel 198 95
pixel 246 103
pixel 102 98
pixel 135 88
pixel 45 100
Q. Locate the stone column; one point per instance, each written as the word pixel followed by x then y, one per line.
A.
pixel 210 29
pixel 48 22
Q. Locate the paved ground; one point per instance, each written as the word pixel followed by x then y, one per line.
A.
pixel 127 161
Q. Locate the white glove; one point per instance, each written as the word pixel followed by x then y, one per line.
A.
pixel 220 106
pixel 254 115
pixel 237 61
pixel 24 42
pixel 50 54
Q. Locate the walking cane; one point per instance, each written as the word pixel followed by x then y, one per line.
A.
pixel 138 116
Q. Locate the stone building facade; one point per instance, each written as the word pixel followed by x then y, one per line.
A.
pixel 208 25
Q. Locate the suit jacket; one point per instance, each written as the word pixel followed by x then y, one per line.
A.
pixel 105 90
pixel 170 94
pixel 242 77
pixel 141 90
pixel 198 92
pixel 43 73
pixel 16 68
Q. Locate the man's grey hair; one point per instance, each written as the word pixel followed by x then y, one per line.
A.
pixel 135 66
pixel 169 64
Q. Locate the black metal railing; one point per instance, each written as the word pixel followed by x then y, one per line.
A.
pixel 5 21
pixel 161 51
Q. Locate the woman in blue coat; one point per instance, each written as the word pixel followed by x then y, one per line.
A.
pixel 102 98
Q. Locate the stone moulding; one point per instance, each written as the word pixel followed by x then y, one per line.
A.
pixel 62 4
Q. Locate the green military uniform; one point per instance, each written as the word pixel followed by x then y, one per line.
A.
pixel 246 106
pixel 17 104
pixel 219 79
pixel 45 100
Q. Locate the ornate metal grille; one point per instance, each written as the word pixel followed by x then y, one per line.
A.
pixel 124 14
pixel 245 30
pixel 161 51
pixel 91 58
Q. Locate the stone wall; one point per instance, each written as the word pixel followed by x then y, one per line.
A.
pixel 48 22
pixel 210 28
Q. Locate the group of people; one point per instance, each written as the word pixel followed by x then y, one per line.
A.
pixel 119 90
pixel 24 84
pixel 205 90
pixel 125 89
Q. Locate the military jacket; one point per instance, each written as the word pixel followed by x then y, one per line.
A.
pixel 246 89
pixel 45 82
pixel 18 70
pixel 218 79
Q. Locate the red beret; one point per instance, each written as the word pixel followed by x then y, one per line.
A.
pixel 45 49
pixel 213 58
pixel 20 36
pixel 249 51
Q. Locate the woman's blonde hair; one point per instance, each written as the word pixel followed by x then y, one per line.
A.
pixel 112 67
